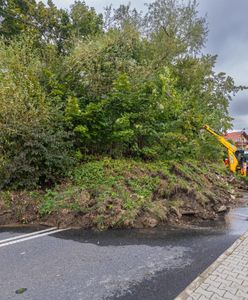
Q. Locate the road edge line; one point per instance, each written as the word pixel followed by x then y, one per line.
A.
pixel 32 237
pixel 26 235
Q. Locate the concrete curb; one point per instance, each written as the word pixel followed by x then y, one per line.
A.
pixel 185 294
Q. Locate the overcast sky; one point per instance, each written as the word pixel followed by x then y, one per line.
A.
pixel 228 38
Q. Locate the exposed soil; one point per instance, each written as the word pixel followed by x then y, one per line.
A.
pixel 186 201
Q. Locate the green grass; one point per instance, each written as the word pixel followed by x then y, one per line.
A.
pixel 117 193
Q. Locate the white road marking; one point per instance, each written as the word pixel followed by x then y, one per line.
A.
pixel 26 235
pixel 32 237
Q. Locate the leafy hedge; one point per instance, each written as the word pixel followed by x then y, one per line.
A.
pixel 75 84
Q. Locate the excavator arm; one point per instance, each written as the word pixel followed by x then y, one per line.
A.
pixel 231 149
pixel 222 140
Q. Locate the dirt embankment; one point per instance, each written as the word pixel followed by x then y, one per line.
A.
pixel 118 193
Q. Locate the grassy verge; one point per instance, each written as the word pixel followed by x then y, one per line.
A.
pixel 126 193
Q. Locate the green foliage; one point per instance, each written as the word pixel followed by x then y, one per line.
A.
pixel 5 197
pixel 131 101
pixel 122 16
pixel 120 193
pixel 34 156
pixel 176 26
pixel 145 119
pixel 49 203
pixel 34 148
pixel 47 24
pixel 124 85
pixel 85 21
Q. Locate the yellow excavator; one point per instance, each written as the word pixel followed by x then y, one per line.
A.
pixel 236 158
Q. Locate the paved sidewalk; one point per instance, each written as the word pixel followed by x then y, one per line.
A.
pixel 226 278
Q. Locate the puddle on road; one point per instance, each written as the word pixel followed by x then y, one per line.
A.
pixel 235 223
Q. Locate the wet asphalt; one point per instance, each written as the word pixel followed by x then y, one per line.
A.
pixel 119 264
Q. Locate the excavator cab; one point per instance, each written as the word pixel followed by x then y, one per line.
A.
pixel 242 157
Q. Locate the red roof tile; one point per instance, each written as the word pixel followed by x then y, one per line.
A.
pixel 235 136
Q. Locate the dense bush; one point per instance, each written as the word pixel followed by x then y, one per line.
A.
pixel 34 156
pixel 122 84
pixel 121 105
pixel 34 148
pixel 140 119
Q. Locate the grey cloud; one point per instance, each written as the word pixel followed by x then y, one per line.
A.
pixel 239 106
pixel 241 122
pixel 228 37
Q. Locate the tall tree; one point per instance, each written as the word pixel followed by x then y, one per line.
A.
pixel 85 20
pixel 173 28
pixel 122 16
pixel 50 25
pixel 14 16
pixel 177 22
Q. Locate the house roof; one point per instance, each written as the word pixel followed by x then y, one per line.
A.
pixel 235 136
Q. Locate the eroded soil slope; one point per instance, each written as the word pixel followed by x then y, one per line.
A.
pixel 120 193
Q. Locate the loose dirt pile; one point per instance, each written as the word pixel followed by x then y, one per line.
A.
pixel 119 194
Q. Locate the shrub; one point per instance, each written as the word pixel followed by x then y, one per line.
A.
pixel 34 156
pixel 34 148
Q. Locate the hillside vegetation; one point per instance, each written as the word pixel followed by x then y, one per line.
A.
pixel 98 112
pixel 124 193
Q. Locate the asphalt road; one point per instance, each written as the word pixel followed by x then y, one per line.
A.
pixel 119 264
